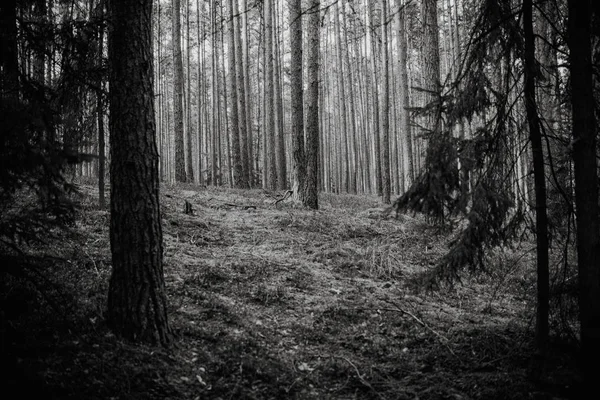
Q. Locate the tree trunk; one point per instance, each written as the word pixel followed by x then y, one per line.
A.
pixel 200 92
pixel 241 97
pixel 188 101
pixel 385 113
pixel 278 98
pixel 431 65
pixel 375 96
pixel 247 101
pixel 297 102
pixel 345 143
pixel 541 223
pixel 404 97
pixel 311 198
pixel 180 175
pixel 235 120
pixel 586 187
pixel 100 118
pixel 216 104
pixel 9 74
pixel 137 304
pixel 269 98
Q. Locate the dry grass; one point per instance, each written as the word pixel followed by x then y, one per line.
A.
pixel 274 301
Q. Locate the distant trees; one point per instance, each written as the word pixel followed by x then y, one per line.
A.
pixel 137 303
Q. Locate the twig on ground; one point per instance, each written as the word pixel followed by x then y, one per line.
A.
pixel 360 377
pixel 444 340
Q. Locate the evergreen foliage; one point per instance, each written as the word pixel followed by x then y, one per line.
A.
pixel 34 194
pixel 44 124
pixel 491 222
pixel 435 191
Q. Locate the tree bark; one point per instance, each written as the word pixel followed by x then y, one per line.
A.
pixel 9 74
pixel 100 120
pixel 234 115
pixel 297 102
pixel 311 198
pixel 269 98
pixel 431 65
pixel 180 175
pixel 404 96
pixel 278 105
pixel 137 303
pixel 241 97
pixel 586 186
pixel 375 96
pixel 541 223
pixel 385 113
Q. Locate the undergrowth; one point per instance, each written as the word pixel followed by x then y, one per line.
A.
pixel 273 302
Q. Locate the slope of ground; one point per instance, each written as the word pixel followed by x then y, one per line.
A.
pixel 271 301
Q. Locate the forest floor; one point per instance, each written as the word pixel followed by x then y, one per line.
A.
pixel 271 301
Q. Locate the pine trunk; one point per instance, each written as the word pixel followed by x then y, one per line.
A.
pixel 311 198
pixel 180 175
pixel 137 303
pixel 297 102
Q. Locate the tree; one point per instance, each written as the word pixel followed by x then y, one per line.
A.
pixel 311 198
pixel 586 186
pixel 238 173
pixel 180 175
pixel 137 304
pixel 375 94
pixel 404 97
pixel 431 65
pixel 541 220
pixel 242 109
pixel 385 112
pixel 297 100
pixel 269 129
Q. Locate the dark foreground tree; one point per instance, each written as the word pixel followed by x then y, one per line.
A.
pixel 137 304
pixel 539 175
pixel 586 186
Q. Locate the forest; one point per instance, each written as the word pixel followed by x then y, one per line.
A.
pixel 303 199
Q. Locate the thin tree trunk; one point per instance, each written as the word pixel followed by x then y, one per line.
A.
pixel 100 116
pixel 541 225
pixel 385 113
pixel 200 91
pixel 431 65
pixel 247 92
pixel 234 115
pixel 216 104
pixel 297 102
pixel 278 106
pixel 269 97
pixel 180 174
pixel 404 99
pixel 375 96
pixel 188 99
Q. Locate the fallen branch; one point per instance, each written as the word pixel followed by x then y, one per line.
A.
pixel 360 377
pixel 444 340
pixel 286 195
